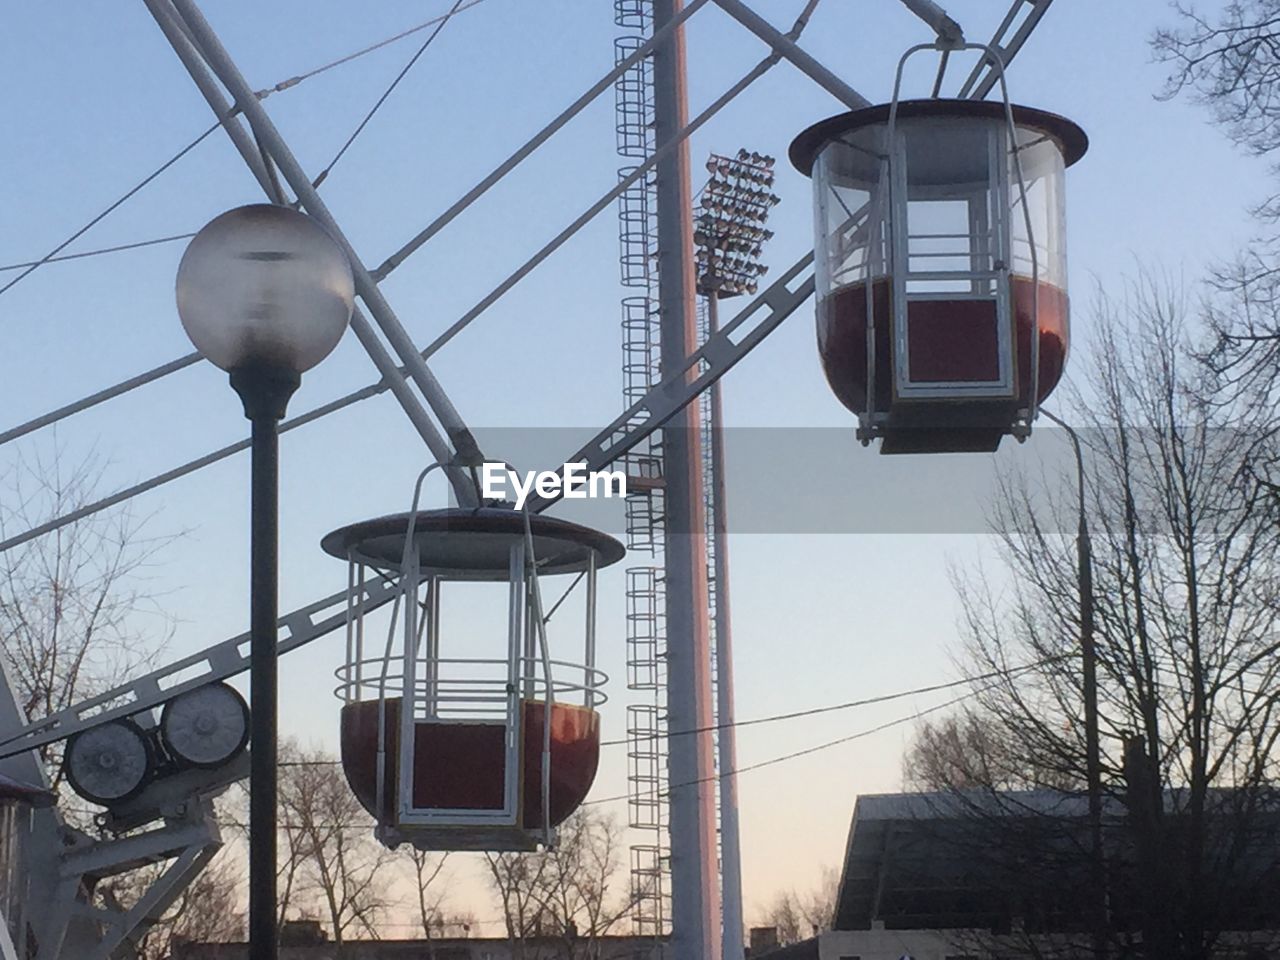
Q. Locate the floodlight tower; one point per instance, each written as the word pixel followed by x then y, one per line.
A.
pixel 729 236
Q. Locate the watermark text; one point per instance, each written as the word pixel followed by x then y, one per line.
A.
pixel 573 482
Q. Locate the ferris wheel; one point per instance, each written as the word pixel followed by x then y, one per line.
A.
pixel 942 324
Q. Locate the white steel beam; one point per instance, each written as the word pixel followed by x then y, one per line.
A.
pixel 664 150
pixel 784 46
pixel 87 932
pixel 163 13
pixel 93 399
pixel 717 356
pixel 132 924
pixel 985 75
pixel 459 437
pixel 733 923
pixel 218 662
pixel 947 29
pixel 975 87
pixel 174 31
pixel 7 952
pixel 532 144
pixel 704 367
pixel 396 383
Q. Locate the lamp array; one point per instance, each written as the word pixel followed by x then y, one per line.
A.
pixel 752 166
pixel 729 230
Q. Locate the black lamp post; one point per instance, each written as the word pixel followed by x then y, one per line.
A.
pixel 1089 681
pixel 264 293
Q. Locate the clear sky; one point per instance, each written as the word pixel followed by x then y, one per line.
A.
pixel 97 100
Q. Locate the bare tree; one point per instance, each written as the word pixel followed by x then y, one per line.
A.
pixel 426 871
pixel 1186 573
pixel 330 863
pixel 786 917
pixel 1230 63
pixel 970 749
pixel 564 902
pixel 431 901
pixel 820 906
pixel 958 751
pixel 798 916
pixel 73 602
pixel 516 880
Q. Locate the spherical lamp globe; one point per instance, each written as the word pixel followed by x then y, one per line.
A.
pixel 264 286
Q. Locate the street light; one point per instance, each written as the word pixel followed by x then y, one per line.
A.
pixel 264 293
pixel 1089 680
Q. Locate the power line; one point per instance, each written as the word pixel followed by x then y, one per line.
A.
pixel 294 81
pixel 436 935
pixel 849 704
pixel 386 267
pixel 172 366
pixel 382 271
pixel 95 253
pixel 804 752
pixel 386 93
pixel 380 386
pixel 813 711
pixel 29 267
pixel 191 466
pixel 84 403
pixel 793 755
pixel 32 267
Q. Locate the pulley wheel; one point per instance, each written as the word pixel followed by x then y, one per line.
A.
pixel 205 727
pixel 109 763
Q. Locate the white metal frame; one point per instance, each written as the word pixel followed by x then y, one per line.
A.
pixel 1002 147
pixel 995 281
pixel 1006 43
pixel 1010 37
pixel 422 699
pixel 528 674
pixel 199 51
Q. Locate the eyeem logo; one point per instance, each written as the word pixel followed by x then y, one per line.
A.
pixel 575 482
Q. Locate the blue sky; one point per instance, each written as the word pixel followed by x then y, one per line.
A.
pixel 97 100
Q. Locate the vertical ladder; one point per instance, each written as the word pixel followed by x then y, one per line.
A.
pixel 645 514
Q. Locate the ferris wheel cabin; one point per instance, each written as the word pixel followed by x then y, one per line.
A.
pixel 471 739
pixel 940 262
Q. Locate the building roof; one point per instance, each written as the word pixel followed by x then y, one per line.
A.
pixel 987 859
